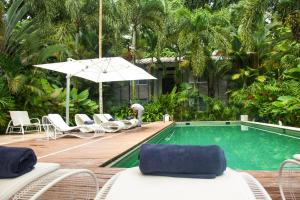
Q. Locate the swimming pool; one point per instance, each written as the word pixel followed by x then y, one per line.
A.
pixel 246 147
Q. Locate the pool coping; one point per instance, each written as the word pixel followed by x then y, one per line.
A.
pixel 287 130
pixel 274 126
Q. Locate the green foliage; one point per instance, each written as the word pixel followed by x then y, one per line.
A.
pixel 7 103
pixel 121 112
pixel 294 73
pixel 215 109
pixel 270 102
pixel 257 45
pixel 181 104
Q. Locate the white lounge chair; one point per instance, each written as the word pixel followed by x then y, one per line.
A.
pixel 100 119
pixel 21 123
pixel 128 123
pixel 105 118
pixel 289 178
pixel 80 120
pixel 232 185
pixel 48 181
pixel 55 127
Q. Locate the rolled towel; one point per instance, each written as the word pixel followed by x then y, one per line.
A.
pixel 182 161
pixel 89 122
pixel 15 161
pixel 111 119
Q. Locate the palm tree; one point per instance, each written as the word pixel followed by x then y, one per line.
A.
pixel 143 17
pixel 202 32
pixel 140 16
pixel 213 4
pixel 1 25
pixel 18 28
pixel 257 13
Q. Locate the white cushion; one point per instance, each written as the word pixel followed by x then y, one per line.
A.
pixel 131 184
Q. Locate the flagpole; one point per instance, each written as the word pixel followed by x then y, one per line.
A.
pixel 100 53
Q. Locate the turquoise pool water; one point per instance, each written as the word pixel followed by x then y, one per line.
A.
pixel 249 149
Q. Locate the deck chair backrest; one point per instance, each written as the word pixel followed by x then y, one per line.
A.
pixel 108 116
pixel 100 118
pixel 19 117
pixel 81 118
pixel 58 122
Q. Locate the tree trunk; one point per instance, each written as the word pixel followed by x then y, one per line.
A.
pixel 210 85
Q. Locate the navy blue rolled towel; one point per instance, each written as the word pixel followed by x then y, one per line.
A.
pixel 182 161
pixel 88 122
pixel 15 161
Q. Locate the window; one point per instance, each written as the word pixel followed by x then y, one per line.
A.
pixel 141 82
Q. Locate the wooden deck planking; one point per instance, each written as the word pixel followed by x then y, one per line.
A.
pixel 90 153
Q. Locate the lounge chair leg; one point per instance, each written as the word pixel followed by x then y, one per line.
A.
pixel 22 130
pixel 7 130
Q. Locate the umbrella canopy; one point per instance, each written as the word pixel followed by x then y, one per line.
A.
pixel 98 70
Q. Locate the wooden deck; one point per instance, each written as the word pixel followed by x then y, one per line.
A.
pixel 91 153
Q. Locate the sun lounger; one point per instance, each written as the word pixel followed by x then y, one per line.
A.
pixel 128 123
pixel 100 119
pixel 132 184
pixel 48 181
pixel 107 118
pixel 289 178
pixel 55 127
pixel 80 120
pixel 21 123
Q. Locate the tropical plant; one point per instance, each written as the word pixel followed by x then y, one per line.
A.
pixel 144 20
pixel 202 32
pixel 251 44
pixel 270 101
pixel 7 103
pixel 121 112
pixel 213 4
pixel 294 73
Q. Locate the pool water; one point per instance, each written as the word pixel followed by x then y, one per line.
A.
pixel 246 148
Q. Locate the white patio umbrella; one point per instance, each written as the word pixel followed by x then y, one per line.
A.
pixel 98 70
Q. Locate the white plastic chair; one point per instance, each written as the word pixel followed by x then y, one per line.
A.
pixel 289 178
pixel 55 127
pixel 21 123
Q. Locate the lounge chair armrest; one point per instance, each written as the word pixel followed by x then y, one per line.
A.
pixel 35 119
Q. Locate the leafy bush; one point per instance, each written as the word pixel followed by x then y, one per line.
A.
pixel 270 102
pixel 121 112
pixel 182 104
pixel 7 103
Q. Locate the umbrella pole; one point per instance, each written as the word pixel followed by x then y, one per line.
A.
pixel 100 98
pixel 100 53
pixel 68 99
